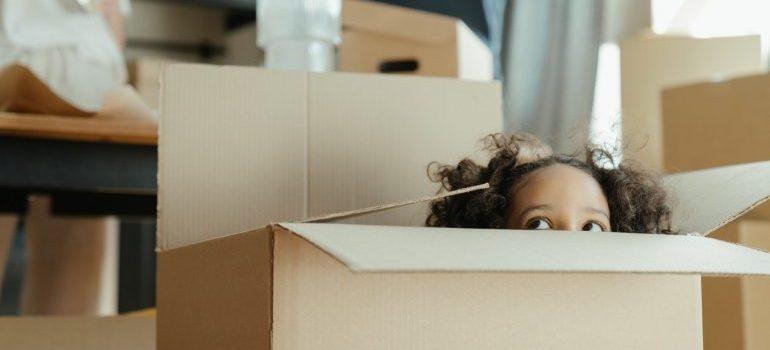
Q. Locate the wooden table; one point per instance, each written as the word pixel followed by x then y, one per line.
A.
pixel 92 129
pixel 89 166
pixel 94 165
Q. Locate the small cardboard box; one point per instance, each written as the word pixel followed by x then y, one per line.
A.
pixel 338 286
pixel 650 64
pixel 380 38
pixel 77 333
pixel 242 146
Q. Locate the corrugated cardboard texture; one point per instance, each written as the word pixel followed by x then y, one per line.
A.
pixel 705 200
pixel 756 310
pixel 320 304
pixel 387 248
pixel 216 295
pixel 648 65
pixel 716 124
pixel 77 333
pixel 377 149
pixel 241 147
pixel 232 151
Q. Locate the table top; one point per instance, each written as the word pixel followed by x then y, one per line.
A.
pixel 99 128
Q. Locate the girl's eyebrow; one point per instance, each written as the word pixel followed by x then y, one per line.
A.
pixel 535 207
pixel 597 211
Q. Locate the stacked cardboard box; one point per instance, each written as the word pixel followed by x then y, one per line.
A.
pixel 714 124
pixel 391 39
pixel 380 38
pixel 651 64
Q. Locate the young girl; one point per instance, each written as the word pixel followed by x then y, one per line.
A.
pixel 533 189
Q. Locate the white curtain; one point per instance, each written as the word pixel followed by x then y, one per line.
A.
pixel 548 59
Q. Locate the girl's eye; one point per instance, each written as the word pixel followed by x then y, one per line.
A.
pixel 538 224
pixel 593 227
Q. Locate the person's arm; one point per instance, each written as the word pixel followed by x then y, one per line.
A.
pixel 112 10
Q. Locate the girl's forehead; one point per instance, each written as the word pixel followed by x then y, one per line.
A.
pixel 559 183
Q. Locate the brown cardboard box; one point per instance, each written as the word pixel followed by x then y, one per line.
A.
pixel 735 310
pixel 650 64
pixel 718 123
pixel 384 38
pixel 77 333
pixel 713 124
pixel 336 141
pixel 340 286
pixel 242 146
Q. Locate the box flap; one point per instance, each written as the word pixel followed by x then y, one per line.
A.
pixel 706 200
pixel 383 207
pixel 225 131
pixel 366 248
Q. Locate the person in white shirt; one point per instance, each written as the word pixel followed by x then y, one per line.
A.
pixel 74 46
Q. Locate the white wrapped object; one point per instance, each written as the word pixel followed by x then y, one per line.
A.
pixel 299 34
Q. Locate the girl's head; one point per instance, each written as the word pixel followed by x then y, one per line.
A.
pixel 531 188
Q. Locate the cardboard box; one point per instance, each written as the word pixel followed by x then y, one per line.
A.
pixel 339 286
pixel 717 123
pixel 174 30
pixel 240 147
pixel 379 38
pixel 713 124
pixel 736 314
pixel 650 64
pixel 77 333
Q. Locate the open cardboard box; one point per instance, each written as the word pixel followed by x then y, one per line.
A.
pixel 334 286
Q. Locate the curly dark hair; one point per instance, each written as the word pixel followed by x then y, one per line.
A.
pixel 636 200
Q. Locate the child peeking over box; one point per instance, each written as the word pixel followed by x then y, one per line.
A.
pixel 531 188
